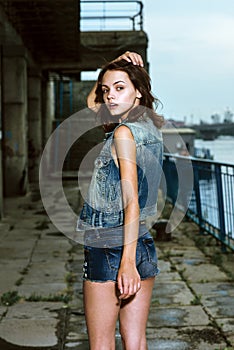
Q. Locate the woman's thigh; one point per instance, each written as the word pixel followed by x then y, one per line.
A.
pixel 134 315
pixel 101 305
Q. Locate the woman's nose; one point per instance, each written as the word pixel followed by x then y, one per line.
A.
pixel 110 95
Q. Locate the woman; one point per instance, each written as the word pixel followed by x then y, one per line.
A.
pixel 120 258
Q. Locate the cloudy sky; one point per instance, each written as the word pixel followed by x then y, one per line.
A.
pixel 191 56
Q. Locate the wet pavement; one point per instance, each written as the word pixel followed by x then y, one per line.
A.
pixel 41 286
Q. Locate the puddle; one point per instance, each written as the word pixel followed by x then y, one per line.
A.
pixel 221 292
pixel 172 317
pixel 167 345
pixel 224 304
pixel 168 289
pixel 193 261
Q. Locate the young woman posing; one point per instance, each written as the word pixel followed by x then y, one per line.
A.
pixel 120 258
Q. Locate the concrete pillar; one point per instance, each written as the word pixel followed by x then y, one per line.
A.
pixel 15 155
pixel 48 105
pixel 1 177
pixel 1 181
pixel 48 116
pixel 34 125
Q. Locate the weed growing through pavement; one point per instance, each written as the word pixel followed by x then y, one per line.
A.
pixel 196 300
pixel 10 298
pixel 65 298
pixel 70 278
pixel 19 281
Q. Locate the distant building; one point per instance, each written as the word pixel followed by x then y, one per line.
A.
pixel 228 115
pixel 216 118
pixel 176 123
pixel 179 140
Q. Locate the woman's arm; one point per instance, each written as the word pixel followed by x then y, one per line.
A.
pixel 128 277
pixel 133 57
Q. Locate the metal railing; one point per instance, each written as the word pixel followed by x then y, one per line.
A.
pixel 111 15
pixel 211 202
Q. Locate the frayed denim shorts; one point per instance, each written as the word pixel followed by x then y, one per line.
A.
pixel 101 264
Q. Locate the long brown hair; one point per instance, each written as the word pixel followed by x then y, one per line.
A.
pixel 141 81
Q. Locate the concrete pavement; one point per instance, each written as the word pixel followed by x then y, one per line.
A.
pixel 41 286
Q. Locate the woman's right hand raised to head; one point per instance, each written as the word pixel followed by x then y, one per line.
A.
pixel 132 57
pixel 128 56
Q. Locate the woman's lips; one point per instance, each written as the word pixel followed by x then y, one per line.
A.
pixel 112 105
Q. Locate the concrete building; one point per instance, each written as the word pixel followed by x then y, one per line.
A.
pixel 43 53
pixel 179 140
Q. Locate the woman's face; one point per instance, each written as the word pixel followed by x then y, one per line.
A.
pixel 119 93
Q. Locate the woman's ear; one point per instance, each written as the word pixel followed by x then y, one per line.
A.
pixel 138 94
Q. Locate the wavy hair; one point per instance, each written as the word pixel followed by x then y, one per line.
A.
pixel 141 81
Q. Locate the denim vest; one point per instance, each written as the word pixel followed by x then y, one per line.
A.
pixel 103 206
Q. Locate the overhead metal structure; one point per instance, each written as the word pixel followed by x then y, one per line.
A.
pixel 71 36
pixel 50 29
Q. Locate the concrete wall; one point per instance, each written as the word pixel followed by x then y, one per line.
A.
pixel 24 131
pixel 15 124
pixel 73 98
pixel 180 141
pixel 20 81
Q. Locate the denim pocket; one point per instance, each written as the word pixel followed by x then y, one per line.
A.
pixel 113 256
pixel 151 251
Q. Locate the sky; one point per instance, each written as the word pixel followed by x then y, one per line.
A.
pixel 191 56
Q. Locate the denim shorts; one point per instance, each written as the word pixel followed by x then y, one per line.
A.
pixel 102 264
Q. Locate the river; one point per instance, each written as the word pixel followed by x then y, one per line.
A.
pixel 222 148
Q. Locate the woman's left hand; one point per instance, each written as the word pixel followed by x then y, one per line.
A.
pixel 129 281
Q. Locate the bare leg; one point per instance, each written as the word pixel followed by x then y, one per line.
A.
pixel 101 311
pixel 133 317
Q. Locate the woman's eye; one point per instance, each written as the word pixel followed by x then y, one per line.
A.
pixel 104 91
pixel 119 88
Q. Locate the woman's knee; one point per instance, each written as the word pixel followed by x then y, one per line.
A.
pixel 134 341
pixel 102 343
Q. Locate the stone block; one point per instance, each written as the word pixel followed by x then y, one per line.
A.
pixel 172 293
pixel 177 317
pixel 203 273
pixel 31 324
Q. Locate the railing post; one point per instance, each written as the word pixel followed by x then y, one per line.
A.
pixel 219 187
pixel 171 179
pixel 197 193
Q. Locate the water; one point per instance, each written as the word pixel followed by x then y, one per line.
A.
pixel 221 148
